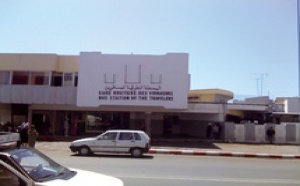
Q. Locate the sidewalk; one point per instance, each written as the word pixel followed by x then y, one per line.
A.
pixel 233 150
pixel 205 148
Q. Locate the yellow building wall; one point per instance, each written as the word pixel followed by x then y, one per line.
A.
pixel 209 95
pixel 67 64
pixel 236 113
pixel 39 62
pixel 206 98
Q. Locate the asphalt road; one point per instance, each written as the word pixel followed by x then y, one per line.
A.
pixel 176 170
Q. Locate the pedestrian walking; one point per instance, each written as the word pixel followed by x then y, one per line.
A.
pixel 32 136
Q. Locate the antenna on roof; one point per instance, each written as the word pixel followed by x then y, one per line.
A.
pixel 260 83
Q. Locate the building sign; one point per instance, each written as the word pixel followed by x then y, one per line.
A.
pixel 133 80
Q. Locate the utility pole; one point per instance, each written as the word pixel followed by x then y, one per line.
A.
pixel 298 26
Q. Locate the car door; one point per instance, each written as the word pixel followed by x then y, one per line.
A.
pixel 10 177
pixel 125 141
pixel 106 142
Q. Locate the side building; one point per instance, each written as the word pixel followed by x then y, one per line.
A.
pixel 97 91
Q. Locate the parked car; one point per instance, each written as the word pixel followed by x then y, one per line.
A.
pixel 22 166
pixel 134 142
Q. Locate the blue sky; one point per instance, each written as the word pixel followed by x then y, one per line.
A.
pixel 248 47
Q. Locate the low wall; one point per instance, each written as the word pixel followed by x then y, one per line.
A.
pixel 285 133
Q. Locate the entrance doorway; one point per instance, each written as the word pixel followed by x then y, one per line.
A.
pixel 171 125
pixel 19 114
pixel 38 121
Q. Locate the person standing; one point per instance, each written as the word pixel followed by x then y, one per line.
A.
pixel 270 133
pixel 24 133
pixel 75 128
pixel 208 130
pixel 66 127
pixel 32 136
pixel 219 130
pixel 215 131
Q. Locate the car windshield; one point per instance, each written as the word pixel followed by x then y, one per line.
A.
pixel 39 166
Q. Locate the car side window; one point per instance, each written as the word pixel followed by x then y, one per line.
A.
pixel 137 136
pixel 126 136
pixel 7 178
pixel 110 136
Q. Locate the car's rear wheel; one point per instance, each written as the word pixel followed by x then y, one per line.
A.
pixel 84 151
pixel 136 152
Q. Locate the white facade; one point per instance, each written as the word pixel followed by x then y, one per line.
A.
pixel 133 80
pixel 292 105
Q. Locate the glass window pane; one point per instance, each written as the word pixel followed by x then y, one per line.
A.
pixel 126 136
pixel 57 79
pixel 68 79
pixel 39 78
pixel 76 80
pixel 110 136
pixel 4 77
pixel 137 136
pixel 20 78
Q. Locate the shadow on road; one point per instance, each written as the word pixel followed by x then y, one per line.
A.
pixel 185 144
pixel 106 155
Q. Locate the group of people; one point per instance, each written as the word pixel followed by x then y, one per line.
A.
pixel 7 127
pixel 27 131
pixel 73 129
pixel 28 134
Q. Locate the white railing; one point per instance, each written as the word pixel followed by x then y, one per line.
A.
pixel 35 94
pixel 285 133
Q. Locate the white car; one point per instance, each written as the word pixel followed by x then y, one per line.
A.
pixel 134 142
pixel 29 167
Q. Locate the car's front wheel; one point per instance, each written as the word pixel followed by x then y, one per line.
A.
pixel 136 152
pixel 84 151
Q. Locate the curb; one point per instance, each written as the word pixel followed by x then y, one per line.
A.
pixel 222 153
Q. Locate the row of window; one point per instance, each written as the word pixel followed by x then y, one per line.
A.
pixel 123 136
pixel 38 78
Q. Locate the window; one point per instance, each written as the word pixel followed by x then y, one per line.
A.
pixel 68 79
pixel 38 166
pixel 126 136
pixel 137 136
pixel 76 80
pixel 20 78
pixel 57 79
pixel 39 78
pixel 4 77
pixel 110 136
